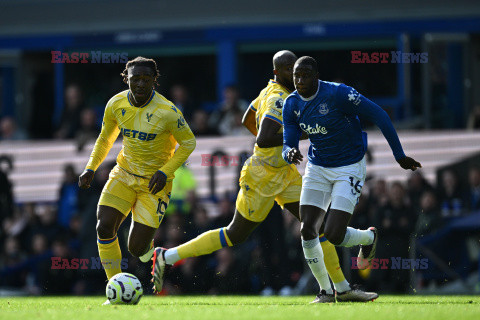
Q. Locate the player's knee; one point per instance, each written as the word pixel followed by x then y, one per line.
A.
pixel 308 231
pixel 105 230
pixel 335 236
pixel 236 237
pixel 137 250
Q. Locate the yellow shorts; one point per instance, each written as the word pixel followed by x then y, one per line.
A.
pixel 127 192
pixel 261 185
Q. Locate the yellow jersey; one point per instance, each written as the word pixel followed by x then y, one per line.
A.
pixel 150 134
pixel 269 105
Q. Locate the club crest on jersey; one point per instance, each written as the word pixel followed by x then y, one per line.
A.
pixel 279 103
pixel 354 96
pixel 123 112
pixel 149 116
pixel 323 109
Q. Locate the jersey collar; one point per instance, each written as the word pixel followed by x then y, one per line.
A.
pixel 275 82
pixel 312 97
pixel 143 105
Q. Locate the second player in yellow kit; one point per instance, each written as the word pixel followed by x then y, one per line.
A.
pixel 266 177
pixel 141 181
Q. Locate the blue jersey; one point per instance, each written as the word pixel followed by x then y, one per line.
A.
pixel 330 118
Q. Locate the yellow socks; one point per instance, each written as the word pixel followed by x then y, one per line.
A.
pixel 110 255
pixel 205 243
pixel 331 260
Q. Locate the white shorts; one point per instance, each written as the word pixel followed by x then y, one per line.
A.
pixel 341 186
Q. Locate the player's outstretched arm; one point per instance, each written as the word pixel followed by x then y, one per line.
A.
pixel 104 143
pixel 408 163
pixel 353 102
pixel 249 122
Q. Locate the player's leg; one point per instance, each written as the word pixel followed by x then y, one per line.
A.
pixel 114 205
pixel 251 210
pixel 345 193
pixel 330 256
pixel 108 221
pixel 140 239
pixel 235 233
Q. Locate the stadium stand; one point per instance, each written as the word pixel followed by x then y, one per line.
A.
pixel 38 166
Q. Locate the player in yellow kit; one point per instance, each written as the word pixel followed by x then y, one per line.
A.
pixel 265 178
pixel 141 181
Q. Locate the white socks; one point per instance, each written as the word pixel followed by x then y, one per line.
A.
pixel 342 286
pixel 354 237
pixel 314 257
pixel 171 256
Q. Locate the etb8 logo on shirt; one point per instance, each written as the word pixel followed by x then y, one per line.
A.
pixel 138 134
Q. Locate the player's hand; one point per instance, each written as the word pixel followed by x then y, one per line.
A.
pixel 85 179
pixel 409 163
pixel 294 156
pixel 158 182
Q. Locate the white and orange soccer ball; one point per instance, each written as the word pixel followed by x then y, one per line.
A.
pixel 124 288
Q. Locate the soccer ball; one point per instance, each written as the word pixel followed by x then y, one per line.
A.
pixel 124 288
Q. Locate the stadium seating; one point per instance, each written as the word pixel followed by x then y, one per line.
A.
pixel 38 166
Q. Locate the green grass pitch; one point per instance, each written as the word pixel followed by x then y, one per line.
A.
pixel 240 307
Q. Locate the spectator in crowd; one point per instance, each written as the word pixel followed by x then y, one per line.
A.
pixel 226 211
pixel 70 120
pixel 228 117
pixel 429 218
pixel 473 194
pixel 6 194
pixel 473 121
pixel 451 195
pixel 181 99
pixel 395 223
pixel 89 128
pixel 12 255
pixel 417 186
pixel 183 184
pixel 229 277
pixel 67 203
pixel 9 130
pixel 199 125
pixel 378 197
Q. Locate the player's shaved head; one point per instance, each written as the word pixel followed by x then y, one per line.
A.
pixel 307 61
pixel 282 58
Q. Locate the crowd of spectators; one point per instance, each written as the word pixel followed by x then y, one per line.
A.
pixel 81 121
pixel 270 261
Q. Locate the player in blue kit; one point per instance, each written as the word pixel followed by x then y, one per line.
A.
pixel 328 112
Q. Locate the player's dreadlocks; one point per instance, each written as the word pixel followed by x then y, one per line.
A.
pixel 141 61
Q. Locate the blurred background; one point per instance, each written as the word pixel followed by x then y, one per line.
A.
pixel 214 58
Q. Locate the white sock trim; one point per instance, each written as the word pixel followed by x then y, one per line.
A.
pixel 171 256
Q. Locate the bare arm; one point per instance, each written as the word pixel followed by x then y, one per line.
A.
pixel 249 122
pixel 269 135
